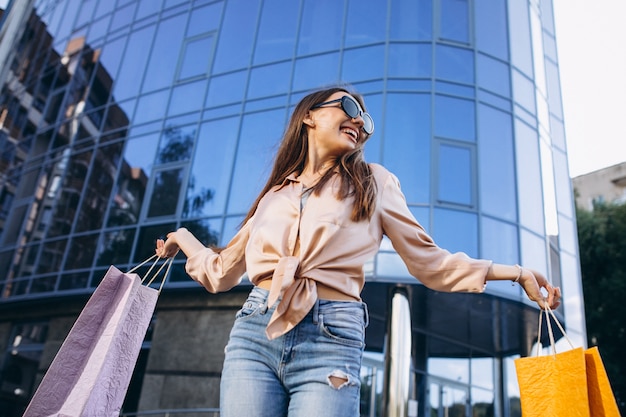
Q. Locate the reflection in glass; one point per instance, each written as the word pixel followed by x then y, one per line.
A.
pixel 204 19
pixel 206 230
pixel 454 64
pixel 493 75
pixel 165 192
pixel 164 54
pixel 176 144
pixel 456 231
pixel 210 174
pixel 269 80
pixel 151 106
pixel 490 28
pixel 132 65
pixel 528 177
pixel 187 98
pixel 51 256
pixel 236 38
pixel 146 242
pixel 115 246
pixel 82 250
pixel 226 89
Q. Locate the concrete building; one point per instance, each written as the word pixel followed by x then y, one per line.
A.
pixel 121 120
pixel 606 185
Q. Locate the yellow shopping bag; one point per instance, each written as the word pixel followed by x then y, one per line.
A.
pixel 567 384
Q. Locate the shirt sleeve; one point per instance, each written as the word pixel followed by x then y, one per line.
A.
pixel 220 271
pixel 435 267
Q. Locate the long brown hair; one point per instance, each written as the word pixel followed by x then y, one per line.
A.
pixel 356 176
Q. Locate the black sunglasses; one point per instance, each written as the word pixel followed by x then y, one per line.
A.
pixel 353 110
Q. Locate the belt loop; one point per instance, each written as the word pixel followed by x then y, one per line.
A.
pixel 366 316
pixel 316 311
pixel 263 307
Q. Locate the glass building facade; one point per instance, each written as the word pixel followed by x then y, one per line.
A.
pixel 121 120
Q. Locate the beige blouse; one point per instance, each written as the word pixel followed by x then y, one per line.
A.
pixel 332 249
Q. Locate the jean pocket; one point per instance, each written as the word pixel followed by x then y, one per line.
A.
pixel 346 328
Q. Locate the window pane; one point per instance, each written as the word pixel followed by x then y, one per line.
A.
pixel 132 66
pixel 115 247
pixel 176 143
pixel 493 75
pixel 499 243
pixel 315 71
pixel 322 28
pixel 187 98
pixel 204 19
pixel 51 257
pixel 131 185
pixel 167 185
pixel 491 28
pixel 367 21
pixel 412 20
pixel 99 186
pixel 269 80
pixel 353 60
pixel 454 118
pixel 454 64
pixel 534 253
pixel 528 177
pixel 237 35
pixel 497 172
pixel 519 31
pixel 164 54
pixel 456 231
pixel 455 20
pixel 410 60
pixel 151 107
pixel 83 249
pixel 276 31
pixel 455 175
pixel 196 58
pixel 254 156
pixel 226 89
pixel 211 171
pixel 407 151
pixel 147 240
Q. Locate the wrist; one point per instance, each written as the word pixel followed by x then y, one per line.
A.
pixel 520 273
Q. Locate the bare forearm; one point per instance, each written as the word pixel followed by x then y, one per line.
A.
pixel 501 272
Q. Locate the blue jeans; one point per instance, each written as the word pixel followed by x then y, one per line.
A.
pixel 313 370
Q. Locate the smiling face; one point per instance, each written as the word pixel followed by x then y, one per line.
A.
pixel 331 131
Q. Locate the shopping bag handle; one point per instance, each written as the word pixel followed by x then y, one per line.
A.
pixel 168 262
pixel 548 312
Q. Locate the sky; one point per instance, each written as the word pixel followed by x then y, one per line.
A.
pixel 591 47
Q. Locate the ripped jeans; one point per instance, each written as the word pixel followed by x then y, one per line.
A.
pixel 311 371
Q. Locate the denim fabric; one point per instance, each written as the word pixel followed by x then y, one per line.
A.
pixel 311 371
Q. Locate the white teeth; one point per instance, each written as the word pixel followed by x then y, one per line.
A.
pixel 349 132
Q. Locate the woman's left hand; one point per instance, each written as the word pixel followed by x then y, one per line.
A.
pixel 532 282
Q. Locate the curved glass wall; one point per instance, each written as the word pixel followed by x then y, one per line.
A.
pixel 123 120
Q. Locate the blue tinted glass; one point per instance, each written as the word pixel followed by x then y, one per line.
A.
pixel 454 118
pixel 226 89
pixel 529 184
pixel 412 20
pixel 196 57
pixel 557 133
pixel 407 143
pixel 456 231
pixel 562 184
pixel 122 17
pixel 165 192
pixel 315 71
pixel 454 64
pixel 211 170
pixel 236 38
pixel 410 60
pixel 454 20
pixel 204 19
pixel 177 142
pixel 499 243
pixel 86 12
pixel 164 54
pixel 534 253
pixel 146 7
pixel 269 80
pixel 455 175
pixel 111 56
pixel 260 134
pixel 524 92
pixel 322 28
pixel 134 63
pixel 493 75
pixel 491 28
pixel 367 21
pixel 69 14
pixel 373 104
pixel 554 89
pixel 519 31
pixel 187 97
pixel 151 106
pixel 277 31
pixel 363 63
pixel 495 152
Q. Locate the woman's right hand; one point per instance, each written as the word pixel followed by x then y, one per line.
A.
pixel 167 248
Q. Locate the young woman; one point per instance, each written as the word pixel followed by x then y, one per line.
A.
pixel 296 345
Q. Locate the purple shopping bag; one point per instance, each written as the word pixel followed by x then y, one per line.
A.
pixel 91 372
